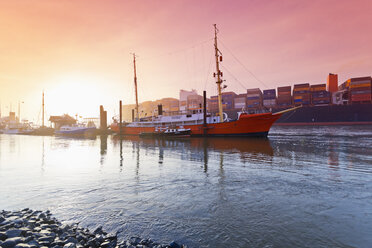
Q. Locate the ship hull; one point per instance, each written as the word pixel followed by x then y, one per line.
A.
pixel 355 114
pixel 256 125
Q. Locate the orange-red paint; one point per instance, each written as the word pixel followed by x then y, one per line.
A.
pixel 246 125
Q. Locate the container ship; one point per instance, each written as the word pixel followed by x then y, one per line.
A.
pixel 320 104
pixel 199 121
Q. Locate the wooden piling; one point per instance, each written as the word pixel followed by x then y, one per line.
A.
pixel 121 116
pixel 205 112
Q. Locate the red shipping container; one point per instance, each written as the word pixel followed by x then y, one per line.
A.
pixel 364 97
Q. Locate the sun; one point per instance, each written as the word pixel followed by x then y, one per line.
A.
pixel 74 94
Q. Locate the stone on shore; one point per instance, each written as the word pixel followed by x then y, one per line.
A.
pixel 37 229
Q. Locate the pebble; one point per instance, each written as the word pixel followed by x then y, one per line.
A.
pixel 38 229
pixel 3 236
pixel 14 233
pixel 70 245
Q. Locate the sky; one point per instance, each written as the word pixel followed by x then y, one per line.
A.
pixel 80 52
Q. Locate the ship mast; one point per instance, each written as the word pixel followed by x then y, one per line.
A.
pixel 43 110
pixel 135 85
pixel 219 73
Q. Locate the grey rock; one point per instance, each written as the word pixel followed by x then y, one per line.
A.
pixel 72 240
pixel 3 236
pixel 69 245
pixel 105 244
pixel 33 243
pixel 49 239
pixel 99 238
pixel 41 216
pixel 22 245
pixel 98 230
pixel 44 243
pixel 173 244
pixel 134 240
pixel 44 226
pixel 28 239
pixel 59 242
pixel 47 233
pixel 18 221
pixel 14 233
pixel 8 244
pixel 15 239
pixel 2 219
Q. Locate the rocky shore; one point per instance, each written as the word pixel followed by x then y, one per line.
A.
pixel 33 229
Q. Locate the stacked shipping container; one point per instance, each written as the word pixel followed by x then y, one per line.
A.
pixel 301 94
pixel 269 98
pixel 228 100
pixel 360 90
pixel 240 101
pixel 319 95
pixel 284 96
pixel 254 98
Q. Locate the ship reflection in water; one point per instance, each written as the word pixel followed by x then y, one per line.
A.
pixel 300 187
pixel 197 149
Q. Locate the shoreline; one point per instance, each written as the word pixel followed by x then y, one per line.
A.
pixel 38 229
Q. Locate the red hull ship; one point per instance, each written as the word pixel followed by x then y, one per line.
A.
pixel 255 125
pixel 201 123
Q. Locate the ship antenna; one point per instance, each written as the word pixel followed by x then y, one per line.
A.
pixel 218 72
pixel 43 110
pixel 135 85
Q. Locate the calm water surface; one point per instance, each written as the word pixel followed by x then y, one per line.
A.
pixel 301 187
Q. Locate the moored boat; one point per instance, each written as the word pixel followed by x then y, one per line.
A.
pixel 167 133
pixel 200 122
pixel 77 129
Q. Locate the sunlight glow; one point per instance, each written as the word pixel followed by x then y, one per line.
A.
pixel 74 94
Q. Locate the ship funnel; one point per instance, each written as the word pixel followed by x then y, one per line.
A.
pixel 160 109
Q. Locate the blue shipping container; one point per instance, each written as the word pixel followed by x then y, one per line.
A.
pixel 253 98
pixel 321 102
pixel 268 97
pixel 269 92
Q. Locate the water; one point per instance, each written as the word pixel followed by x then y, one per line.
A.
pixel 301 187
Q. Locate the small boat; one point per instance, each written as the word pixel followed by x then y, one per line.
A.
pixel 76 129
pixel 179 132
pixel 167 133
pixel 17 128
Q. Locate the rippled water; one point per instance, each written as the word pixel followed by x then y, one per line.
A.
pixel 301 187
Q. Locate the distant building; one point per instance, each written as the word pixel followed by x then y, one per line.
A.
pixel 183 99
pixel 62 120
pixel 194 102
pixel 169 105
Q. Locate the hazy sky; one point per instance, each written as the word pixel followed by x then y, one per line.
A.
pixel 78 51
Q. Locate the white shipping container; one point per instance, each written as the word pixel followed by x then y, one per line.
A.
pixel 239 105
pixel 269 102
pixel 239 100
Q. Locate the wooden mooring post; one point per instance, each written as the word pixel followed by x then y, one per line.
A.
pixel 121 116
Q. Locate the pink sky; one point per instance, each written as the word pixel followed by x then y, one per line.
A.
pixel 79 51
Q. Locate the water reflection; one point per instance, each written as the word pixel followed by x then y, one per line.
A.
pixel 103 147
pixel 278 192
pixel 197 149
